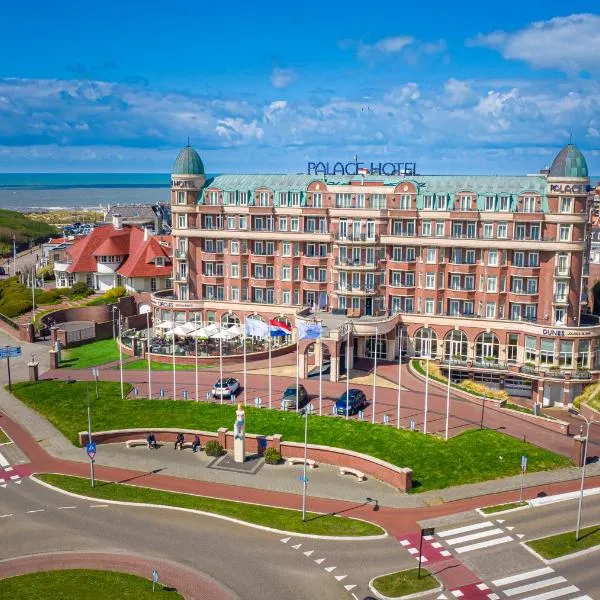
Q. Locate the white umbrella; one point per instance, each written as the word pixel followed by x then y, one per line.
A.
pixel 165 325
pixel 205 332
pixel 180 330
pixel 226 334
pixel 235 330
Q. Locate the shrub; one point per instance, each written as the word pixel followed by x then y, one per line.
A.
pixel 14 307
pixel 213 448
pixel 79 289
pixel 50 296
pixel 589 392
pixel 272 456
pixel 482 390
pixel 115 292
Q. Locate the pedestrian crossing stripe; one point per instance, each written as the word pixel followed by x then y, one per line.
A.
pixel 536 581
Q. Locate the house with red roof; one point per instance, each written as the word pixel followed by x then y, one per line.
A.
pixel 118 255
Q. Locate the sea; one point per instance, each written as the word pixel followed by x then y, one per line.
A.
pixel 34 192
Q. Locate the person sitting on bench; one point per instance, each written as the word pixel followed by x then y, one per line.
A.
pixel 179 441
pixel 196 443
pixel 151 441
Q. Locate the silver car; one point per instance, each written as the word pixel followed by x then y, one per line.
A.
pixel 226 388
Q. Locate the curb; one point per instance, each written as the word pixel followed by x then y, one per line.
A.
pixel 501 512
pixel 379 595
pixel 562 497
pixel 215 515
pixel 558 559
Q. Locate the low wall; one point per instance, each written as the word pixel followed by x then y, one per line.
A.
pixel 398 477
pixel 544 422
pixel 590 413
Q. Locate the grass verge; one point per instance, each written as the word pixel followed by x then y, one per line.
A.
pixel 490 510
pixel 141 365
pixel 83 584
pixel 403 583
pixel 90 355
pixel 562 544
pixel 474 456
pixel 267 516
pixel 3 437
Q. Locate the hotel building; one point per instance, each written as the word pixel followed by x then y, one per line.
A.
pixel 487 273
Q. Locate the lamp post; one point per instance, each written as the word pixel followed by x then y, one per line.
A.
pixel 588 422
pixel 304 413
pixel 119 341
pixel 148 357
pixel 427 357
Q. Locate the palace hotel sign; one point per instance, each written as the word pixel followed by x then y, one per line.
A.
pixel 360 168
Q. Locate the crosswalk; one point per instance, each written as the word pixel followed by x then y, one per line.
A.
pixel 540 584
pixel 478 536
pixel 10 474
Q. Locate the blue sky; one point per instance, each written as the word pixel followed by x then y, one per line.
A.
pixel 268 86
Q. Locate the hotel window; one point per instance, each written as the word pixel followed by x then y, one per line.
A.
pixel 504 204
pixel 310 250
pixel 530 349
pixel 429 306
pixel 309 274
pixel 152 284
pixel 213 198
pixel 488 230
pixel 490 310
pixel 323 275
pixel 546 351
pixel 502 231
pixel 431 259
pixel 244 270
pixel 295 198
pixel 469 283
pixel 235 294
pixel 457 227
pixel 529 204
pixel 286 273
pixel 533 259
pixel 405 202
pixel 410 255
pixel 520 232
pixel 426 228
pixel 182 222
pixel 296 248
pixel 441 202
pixel 235 247
pixel 565 354
pixel 492 286
pixel 317 200
pixel 286 297
pixel 470 257
pixel 517 285
pixel 258 248
pixel 583 354
pixel 427 202
pixel 492 258
pixel 564 233
pixel 489 203
pixel 534 231
pixel 258 224
pixel 465 203
pixel 430 281
pixel 512 347
pixel 471 230
pixel 566 205
pixel 283 223
pixel 263 199
pixel 396 279
pixel 439 229
pixel 562 263
pixel 377 201
pixel 410 228
pixel 532 285
pixel 343 200
pixel 323 250
pixel 230 222
pixel 243 222
pixel 455 282
pixel 296 273
pixel 530 312
pixel 181 198
pixel 243 197
pixel 322 225
pixel 294 224
pixel 310 225
pixel 409 279
pixel 283 198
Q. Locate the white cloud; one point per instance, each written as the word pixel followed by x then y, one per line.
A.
pixel 384 46
pixel 570 44
pixel 281 78
pixel 275 107
pixel 458 93
pixel 234 129
pixel 407 93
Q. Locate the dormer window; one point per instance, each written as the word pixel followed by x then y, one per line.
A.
pixel 213 198
pixel 160 261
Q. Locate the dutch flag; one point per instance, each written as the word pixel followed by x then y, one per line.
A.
pixel 279 329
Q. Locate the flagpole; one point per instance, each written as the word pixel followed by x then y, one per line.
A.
pixel 121 356
pixel 399 373
pixel 348 372
pixel 148 352
pixel 297 369
pixel 196 354
pixel 270 339
pixel 375 378
pixel 221 359
pixel 245 374
pixel 321 378
pixel 426 387
pixel 448 394
pixel 174 376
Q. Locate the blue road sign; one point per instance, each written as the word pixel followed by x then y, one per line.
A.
pixel 523 463
pixel 10 351
pixel 303 479
pixel 91 447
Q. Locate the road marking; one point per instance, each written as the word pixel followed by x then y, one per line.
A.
pixel 583 598
pixel 284 540
pixel 536 585
pixel 296 546
pixel 500 521
pixel 436 545
pixel 487 544
pixel 9 515
pixel 341 577
pixel 35 511
pixel 404 543
pixel 1 480
pixel 8 469
pixel 520 535
pixel 3 461
pixel 522 576
pixel 465 529
pixel 554 594
pixel 329 569
pixel 442 597
pixel 445 553
pixel 474 536
pixel 457 593
pixel 13 477
pixel 319 560
pixel 65 507
pixel 428 537
pixel 493 597
pixel 308 552
pixel 482 586
pixel 350 587
pixel 101 506
pixel 413 551
pixel 509 528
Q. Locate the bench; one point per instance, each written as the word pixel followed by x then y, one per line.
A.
pixel 348 470
pixel 131 443
pixel 300 461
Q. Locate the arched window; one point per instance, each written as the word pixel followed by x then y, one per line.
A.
pixel 426 342
pixel 487 348
pixel 229 320
pixel 456 345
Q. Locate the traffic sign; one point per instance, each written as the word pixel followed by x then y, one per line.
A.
pixel 523 463
pixel 303 479
pixel 10 351
pixel 154 575
pixel 91 450
pixel 427 531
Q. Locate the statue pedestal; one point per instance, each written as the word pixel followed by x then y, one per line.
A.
pixel 239 437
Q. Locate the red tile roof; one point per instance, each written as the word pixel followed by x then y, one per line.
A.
pixel 140 262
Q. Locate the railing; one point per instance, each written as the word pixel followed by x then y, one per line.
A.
pixel 358 264
pixel 529 370
pixel 356 237
pixel 452 362
pixel 558 272
pixel 560 299
pixel 490 364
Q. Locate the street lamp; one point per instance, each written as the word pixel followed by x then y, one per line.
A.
pixel 588 422
pixel 119 341
pixel 305 412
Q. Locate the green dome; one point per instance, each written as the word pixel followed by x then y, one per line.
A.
pixel 569 162
pixel 188 162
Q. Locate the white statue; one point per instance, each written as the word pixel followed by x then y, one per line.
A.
pixel 239 434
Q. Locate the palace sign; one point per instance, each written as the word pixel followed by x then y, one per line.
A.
pixel 565 188
pixel 359 168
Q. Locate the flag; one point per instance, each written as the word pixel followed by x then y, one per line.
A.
pixel 362 171
pixel 257 328
pixel 278 328
pixel 310 331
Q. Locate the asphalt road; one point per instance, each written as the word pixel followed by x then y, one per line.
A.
pixel 252 564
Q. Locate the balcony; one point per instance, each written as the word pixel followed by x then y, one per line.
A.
pixel 181 277
pixel 356 265
pixel 353 291
pixel 452 362
pixel 560 299
pixel 180 254
pixel 360 238
pixel 490 364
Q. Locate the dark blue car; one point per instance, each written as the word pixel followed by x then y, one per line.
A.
pixel 356 401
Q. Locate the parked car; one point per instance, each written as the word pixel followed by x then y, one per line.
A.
pixel 2 271
pixel 288 400
pixel 404 357
pixel 226 387
pixel 356 401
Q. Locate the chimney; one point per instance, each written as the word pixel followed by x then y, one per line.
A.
pixel 117 221
pixel 147 233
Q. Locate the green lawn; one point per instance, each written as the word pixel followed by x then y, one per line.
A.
pixel 3 437
pixel 474 456
pixel 403 583
pixel 277 518
pixel 142 365
pixel 83 584
pixel 489 510
pixel 90 355
pixel 564 543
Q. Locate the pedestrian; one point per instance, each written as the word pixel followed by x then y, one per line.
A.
pixel 151 440
pixel 179 441
pixel 196 443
